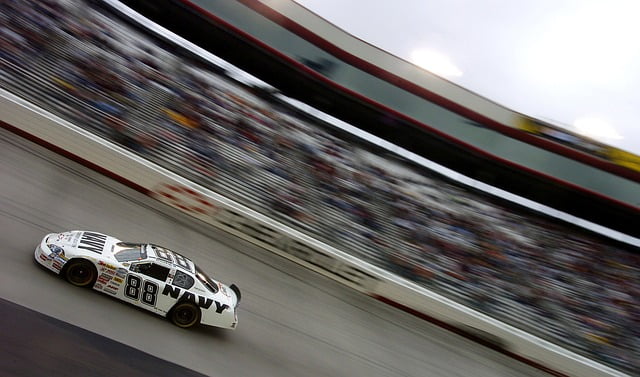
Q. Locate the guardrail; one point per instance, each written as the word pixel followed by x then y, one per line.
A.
pixel 26 119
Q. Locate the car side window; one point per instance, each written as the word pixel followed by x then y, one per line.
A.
pixel 183 280
pixel 153 270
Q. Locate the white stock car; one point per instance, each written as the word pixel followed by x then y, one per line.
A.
pixel 146 275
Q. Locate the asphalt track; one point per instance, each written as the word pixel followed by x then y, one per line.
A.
pixel 50 348
pixel 293 322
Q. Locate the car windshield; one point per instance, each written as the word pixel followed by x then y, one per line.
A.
pixel 206 280
pixel 126 252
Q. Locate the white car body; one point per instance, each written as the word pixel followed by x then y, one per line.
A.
pixel 156 279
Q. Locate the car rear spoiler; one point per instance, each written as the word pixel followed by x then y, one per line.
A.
pixel 236 290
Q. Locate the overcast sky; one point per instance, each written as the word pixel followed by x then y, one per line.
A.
pixel 566 61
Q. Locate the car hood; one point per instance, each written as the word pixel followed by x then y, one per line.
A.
pixel 64 239
pixel 84 241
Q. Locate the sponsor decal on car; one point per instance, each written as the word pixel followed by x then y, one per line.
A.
pixel 104 278
pixel 121 273
pixel 109 289
pixel 203 302
pixel 107 266
pixel 93 242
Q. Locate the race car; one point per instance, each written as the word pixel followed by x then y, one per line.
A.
pixel 146 275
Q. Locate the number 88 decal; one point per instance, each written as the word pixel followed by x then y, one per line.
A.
pixel 149 290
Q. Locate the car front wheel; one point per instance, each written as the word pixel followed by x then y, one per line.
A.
pixel 80 273
pixel 185 315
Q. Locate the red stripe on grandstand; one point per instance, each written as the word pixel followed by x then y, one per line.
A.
pixel 469 335
pixel 75 157
pixel 420 91
pixel 204 202
pixel 190 191
pixel 300 67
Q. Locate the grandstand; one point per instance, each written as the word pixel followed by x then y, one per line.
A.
pixel 484 142
pixel 554 280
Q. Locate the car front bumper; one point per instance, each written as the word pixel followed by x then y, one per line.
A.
pixel 44 256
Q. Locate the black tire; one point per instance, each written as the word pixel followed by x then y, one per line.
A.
pixel 185 315
pixel 80 273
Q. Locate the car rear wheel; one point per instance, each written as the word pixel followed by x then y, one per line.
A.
pixel 80 273
pixel 185 315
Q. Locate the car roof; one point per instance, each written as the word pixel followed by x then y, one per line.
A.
pixel 170 257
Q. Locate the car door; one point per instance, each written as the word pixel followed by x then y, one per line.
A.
pixel 144 283
pixel 179 283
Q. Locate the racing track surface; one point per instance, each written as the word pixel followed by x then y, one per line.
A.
pixel 293 322
pixel 45 342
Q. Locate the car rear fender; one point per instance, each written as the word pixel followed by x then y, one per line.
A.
pixel 236 292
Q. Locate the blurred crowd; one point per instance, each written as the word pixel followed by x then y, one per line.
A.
pixel 547 278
